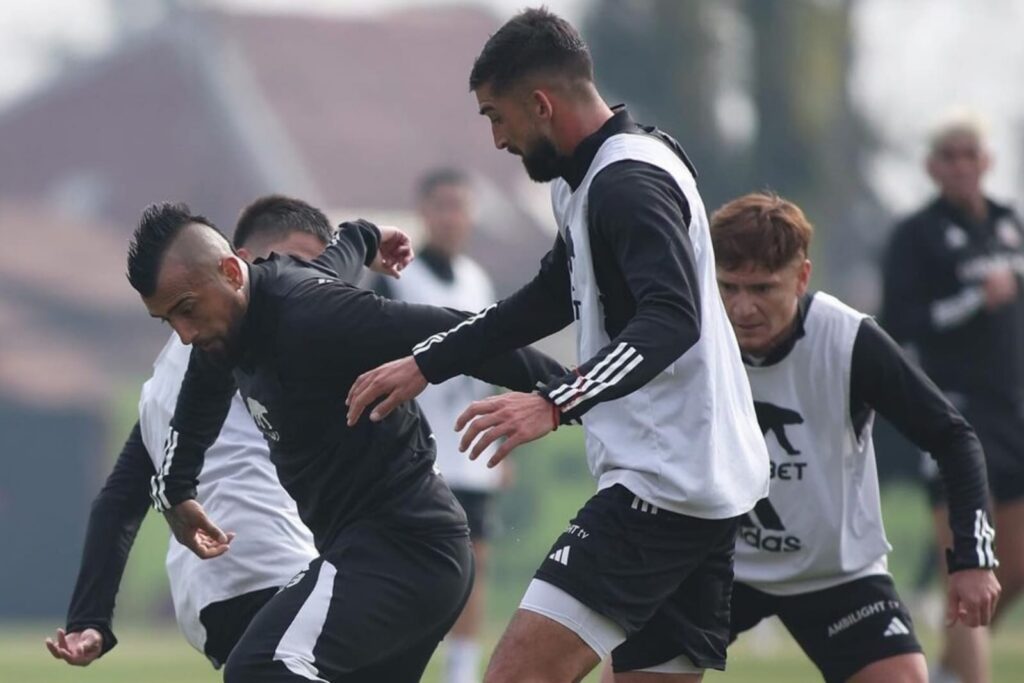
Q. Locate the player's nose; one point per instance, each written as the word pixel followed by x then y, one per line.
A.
pixel 743 307
pixel 500 139
pixel 186 333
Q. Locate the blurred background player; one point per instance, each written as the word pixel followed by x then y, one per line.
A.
pixel 953 292
pixel 214 600
pixel 443 275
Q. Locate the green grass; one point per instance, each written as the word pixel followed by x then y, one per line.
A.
pixel 551 484
pixel 159 655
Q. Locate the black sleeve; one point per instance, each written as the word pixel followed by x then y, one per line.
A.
pixel 114 521
pixel 354 246
pixel 358 328
pixel 381 286
pixel 639 216
pixel 199 415
pixel 910 312
pixel 882 378
pixel 540 308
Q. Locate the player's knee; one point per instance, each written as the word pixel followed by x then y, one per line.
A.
pixel 506 667
pixel 906 668
pixel 504 674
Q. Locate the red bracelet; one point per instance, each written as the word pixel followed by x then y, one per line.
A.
pixel 556 417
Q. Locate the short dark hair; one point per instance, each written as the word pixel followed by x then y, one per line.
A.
pixel 534 40
pixel 760 229
pixel 159 226
pixel 431 180
pixel 276 216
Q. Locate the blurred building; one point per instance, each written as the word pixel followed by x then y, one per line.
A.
pixel 216 108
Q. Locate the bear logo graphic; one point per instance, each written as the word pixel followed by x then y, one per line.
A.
pixel 259 416
pixel 774 418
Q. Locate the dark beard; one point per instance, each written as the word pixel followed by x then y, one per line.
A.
pixel 227 354
pixel 542 162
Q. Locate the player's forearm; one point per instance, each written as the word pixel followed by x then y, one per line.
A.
pixel 353 247
pixel 108 541
pixel 953 311
pixel 910 312
pixel 962 468
pixel 530 314
pixel 114 521
pixel 882 378
pixel 203 405
pixel 655 338
pixel 521 370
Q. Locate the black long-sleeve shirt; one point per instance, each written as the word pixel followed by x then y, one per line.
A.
pixel 643 265
pixel 934 273
pixel 114 520
pixel 884 380
pixel 305 338
pixel 121 505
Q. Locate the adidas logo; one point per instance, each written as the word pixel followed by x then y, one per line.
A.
pixel 643 506
pixel 561 555
pixel 896 628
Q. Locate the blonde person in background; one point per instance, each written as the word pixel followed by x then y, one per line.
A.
pixel 953 292
pixel 444 275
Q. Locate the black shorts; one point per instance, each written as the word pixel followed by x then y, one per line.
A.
pixel 371 608
pixel 1001 432
pixel 842 629
pixel 226 621
pixel 664 578
pixel 479 507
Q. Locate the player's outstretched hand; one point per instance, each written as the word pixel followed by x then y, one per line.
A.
pixel 195 531
pixel 394 253
pixel 518 417
pixel 78 648
pixel 398 381
pixel 972 598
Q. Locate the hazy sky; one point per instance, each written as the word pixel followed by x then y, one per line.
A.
pixel 919 59
pixel 915 59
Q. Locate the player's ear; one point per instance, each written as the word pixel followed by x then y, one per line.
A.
pixel 804 276
pixel 540 105
pixel 245 254
pixel 233 271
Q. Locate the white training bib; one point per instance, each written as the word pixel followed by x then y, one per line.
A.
pixel 688 440
pixel 239 489
pixel 822 523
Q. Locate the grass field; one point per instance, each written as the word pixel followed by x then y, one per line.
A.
pixel 551 483
pixel 159 655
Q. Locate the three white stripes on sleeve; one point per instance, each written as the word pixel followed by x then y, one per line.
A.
pixel 985 536
pixel 609 372
pixel 157 486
